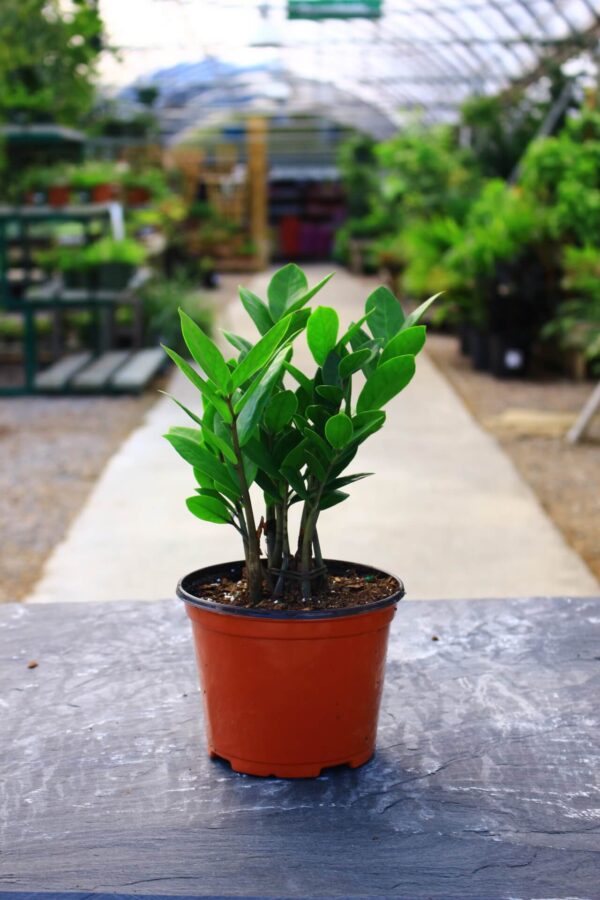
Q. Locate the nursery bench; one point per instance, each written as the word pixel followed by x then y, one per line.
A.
pixel 484 785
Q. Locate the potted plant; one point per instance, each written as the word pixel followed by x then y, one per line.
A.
pixel 59 190
pixel 141 187
pixel 33 185
pixel 290 645
pixel 95 181
pixel 114 261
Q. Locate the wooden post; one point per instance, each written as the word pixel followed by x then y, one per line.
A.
pixel 256 137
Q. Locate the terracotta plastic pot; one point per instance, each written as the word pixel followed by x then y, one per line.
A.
pixel 137 196
pixel 59 195
pixel 103 193
pixel 289 693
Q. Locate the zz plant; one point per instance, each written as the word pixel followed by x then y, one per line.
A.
pixel 265 422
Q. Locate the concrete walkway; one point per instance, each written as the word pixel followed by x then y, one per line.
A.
pixel 446 510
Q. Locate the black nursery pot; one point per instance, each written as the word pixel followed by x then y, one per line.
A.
pixel 114 276
pixel 479 348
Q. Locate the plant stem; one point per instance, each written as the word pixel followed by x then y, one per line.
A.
pixel 253 563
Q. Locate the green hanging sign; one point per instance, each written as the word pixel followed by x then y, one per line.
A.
pixel 334 9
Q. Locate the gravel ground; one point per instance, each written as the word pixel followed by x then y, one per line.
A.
pixel 565 479
pixel 52 450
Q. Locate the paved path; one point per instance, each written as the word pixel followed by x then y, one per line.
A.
pixel 446 510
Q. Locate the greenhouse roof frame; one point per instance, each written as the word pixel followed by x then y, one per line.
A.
pixel 371 74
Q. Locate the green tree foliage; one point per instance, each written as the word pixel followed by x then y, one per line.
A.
pixel 48 54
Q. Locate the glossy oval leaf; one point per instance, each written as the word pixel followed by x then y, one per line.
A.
pixel 353 362
pixel 205 352
pixel 257 310
pixel 280 410
pixel 251 413
pixel 260 354
pixel 385 382
pixel 285 286
pixel 209 508
pixel 321 332
pixel 330 393
pixel 386 315
pixel 339 430
pixel 409 341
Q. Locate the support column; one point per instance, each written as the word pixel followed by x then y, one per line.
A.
pixel 256 137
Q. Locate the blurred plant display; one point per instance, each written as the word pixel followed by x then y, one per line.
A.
pixel 514 259
pixel 47 72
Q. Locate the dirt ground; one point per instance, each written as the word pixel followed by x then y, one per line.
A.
pixel 529 418
pixel 52 450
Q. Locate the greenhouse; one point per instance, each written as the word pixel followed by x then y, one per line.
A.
pixel 299 319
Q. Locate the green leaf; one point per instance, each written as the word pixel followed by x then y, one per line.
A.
pixel 297 322
pixel 294 459
pixel 408 341
pixel 260 354
pixel 353 362
pixel 386 381
pixel 253 409
pixel 286 285
pixel 339 430
pixel 315 466
pixel 261 456
pixel 330 393
pixel 283 445
pixel 211 492
pixel 321 332
pixel 329 500
pixel 386 315
pixel 210 509
pixel 219 444
pixel 353 330
pixel 280 410
pixel 296 482
pixel 420 311
pixel 296 304
pixel 202 459
pixel 347 479
pixel 236 341
pixel 269 488
pixel 257 310
pixel 204 386
pixel 343 459
pixel 205 352
pixel 317 414
pixel 330 369
pixel 304 382
pixel 187 411
pixel 318 445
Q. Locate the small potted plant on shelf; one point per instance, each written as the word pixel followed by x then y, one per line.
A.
pixel 33 185
pixel 143 186
pixel 290 645
pixel 114 261
pixel 59 189
pixel 95 182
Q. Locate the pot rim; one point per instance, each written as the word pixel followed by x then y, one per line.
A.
pixel 288 614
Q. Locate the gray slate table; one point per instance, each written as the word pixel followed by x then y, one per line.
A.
pixel 484 785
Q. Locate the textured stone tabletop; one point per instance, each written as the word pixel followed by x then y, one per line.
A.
pixel 484 786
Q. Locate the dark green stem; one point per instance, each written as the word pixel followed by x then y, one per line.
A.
pixel 252 550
